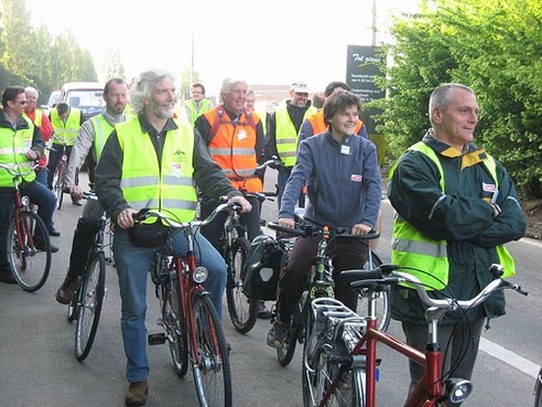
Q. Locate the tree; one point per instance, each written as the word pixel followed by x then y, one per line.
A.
pixel 493 46
pixel 113 67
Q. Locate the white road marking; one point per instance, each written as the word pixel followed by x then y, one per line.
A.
pixel 509 357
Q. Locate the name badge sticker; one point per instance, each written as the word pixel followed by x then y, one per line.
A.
pixel 356 178
pixel 176 170
pixel 345 150
pixel 241 134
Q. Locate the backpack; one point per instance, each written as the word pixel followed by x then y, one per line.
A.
pixel 263 267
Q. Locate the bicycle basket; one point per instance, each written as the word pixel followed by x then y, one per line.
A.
pixel 263 269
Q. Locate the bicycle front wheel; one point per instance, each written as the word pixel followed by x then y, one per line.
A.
pixel 174 325
pixel 91 294
pixel 243 311
pixel 58 184
pixel 383 306
pixel 210 358
pixel 29 251
pixel 538 390
pixel 286 351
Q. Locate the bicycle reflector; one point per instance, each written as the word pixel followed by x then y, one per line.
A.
pixel 200 275
pixel 457 389
pixel 25 200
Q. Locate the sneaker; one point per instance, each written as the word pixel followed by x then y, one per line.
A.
pixel 263 312
pixel 66 292
pixel 277 334
pixel 54 232
pixel 39 245
pixel 136 394
pixel 7 277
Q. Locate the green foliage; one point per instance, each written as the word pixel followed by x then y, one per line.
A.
pixel 32 57
pixel 494 46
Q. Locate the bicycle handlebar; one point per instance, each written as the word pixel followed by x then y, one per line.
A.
pixel 16 171
pixel 310 229
pixel 90 196
pixel 273 161
pixel 388 274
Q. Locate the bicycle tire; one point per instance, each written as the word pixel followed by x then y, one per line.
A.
pixel 29 264
pixel 243 311
pixel 175 327
pixel 286 351
pixel 73 307
pixel 58 184
pixel 90 307
pixel 538 390
pixel 210 358
pixel 383 306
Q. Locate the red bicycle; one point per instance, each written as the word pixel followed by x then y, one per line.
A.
pixel 189 318
pixel 28 247
pixel 342 364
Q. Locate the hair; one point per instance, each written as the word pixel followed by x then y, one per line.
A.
pixel 109 84
pixel 338 101
pixel 318 100
pixel 145 82
pixel 62 108
pixel 334 85
pixel 199 85
pixel 228 83
pixel 30 89
pixel 440 97
pixel 11 93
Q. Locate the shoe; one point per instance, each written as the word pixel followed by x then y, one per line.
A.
pixel 39 245
pixel 66 291
pixel 54 232
pixel 277 334
pixel 136 394
pixel 263 312
pixel 76 202
pixel 7 277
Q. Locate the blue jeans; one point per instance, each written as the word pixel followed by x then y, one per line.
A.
pixel 132 263
pixel 39 195
pixel 282 180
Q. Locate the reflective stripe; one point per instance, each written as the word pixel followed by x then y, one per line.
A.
pixel 170 179
pixel 235 151
pixel 243 173
pixel 433 249
pixel 288 154
pixel 178 204
pixel 138 181
pixel 286 140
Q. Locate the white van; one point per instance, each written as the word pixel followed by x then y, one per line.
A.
pixel 87 96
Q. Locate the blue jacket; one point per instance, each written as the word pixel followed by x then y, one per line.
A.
pixel 343 181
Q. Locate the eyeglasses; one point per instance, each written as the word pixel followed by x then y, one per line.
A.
pixel 21 102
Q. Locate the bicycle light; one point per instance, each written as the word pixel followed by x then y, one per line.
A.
pixel 25 201
pixel 200 274
pixel 457 389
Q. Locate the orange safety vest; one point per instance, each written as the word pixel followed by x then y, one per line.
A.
pixel 318 125
pixel 233 148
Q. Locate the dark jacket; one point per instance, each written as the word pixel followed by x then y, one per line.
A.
pixel 207 174
pixel 343 189
pixel 462 216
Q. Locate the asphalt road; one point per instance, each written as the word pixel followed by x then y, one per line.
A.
pixel 38 367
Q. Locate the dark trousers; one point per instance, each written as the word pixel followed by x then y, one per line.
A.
pixel 459 346
pixel 214 231
pixel 54 157
pixel 345 255
pixel 84 237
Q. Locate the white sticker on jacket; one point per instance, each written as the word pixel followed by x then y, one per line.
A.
pixel 345 150
pixel 176 170
pixel 356 178
pixel 241 134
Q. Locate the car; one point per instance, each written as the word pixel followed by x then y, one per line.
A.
pixel 87 96
pixel 54 98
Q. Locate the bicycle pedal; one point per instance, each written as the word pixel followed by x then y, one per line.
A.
pixel 157 339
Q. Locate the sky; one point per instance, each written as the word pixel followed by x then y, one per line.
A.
pixel 263 42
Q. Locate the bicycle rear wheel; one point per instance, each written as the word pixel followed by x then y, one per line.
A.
pixel 29 251
pixel 58 184
pixel 243 311
pixel 174 326
pixel 91 294
pixel 383 306
pixel 210 358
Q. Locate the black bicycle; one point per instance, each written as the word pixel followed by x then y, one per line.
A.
pixel 320 284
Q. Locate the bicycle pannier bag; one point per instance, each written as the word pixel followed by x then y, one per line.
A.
pixel 149 235
pixel 263 269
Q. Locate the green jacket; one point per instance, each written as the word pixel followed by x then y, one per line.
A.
pixel 461 216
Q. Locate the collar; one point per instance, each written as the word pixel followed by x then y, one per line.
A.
pixel 148 128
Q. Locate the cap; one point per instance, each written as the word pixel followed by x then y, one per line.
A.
pixel 300 87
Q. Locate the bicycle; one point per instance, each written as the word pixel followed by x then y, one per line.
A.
pixel 321 283
pixel 189 317
pixel 59 177
pixel 86 306
pixel 342 367
pixel 538 390
pixel 28 247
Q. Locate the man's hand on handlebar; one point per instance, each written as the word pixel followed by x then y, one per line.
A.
pixel 75 191
pixel 287 223
pixel 125 219
pixel 360 229
pixel 242 202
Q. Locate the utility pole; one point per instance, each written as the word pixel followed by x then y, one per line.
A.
pixel 374 29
